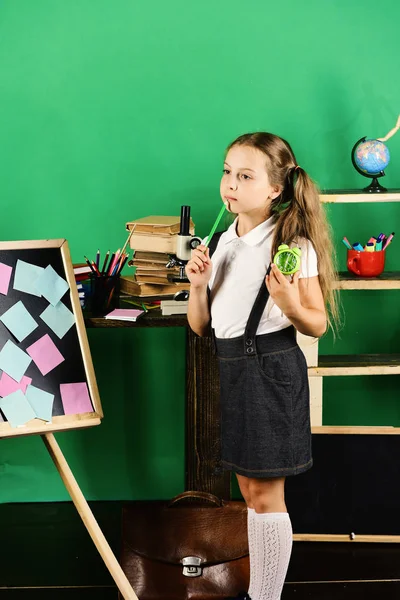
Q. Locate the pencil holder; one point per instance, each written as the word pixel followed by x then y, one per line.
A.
pixel 104 294
pixel 366 264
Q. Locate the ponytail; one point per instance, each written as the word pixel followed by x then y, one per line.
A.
pixel 300 215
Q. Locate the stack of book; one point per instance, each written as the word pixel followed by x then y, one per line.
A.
pixel 82 275
pixel 82 292
pixel 150 267
pixel 174 307
pixel 156 233
pixel 81 271
pixel 154 239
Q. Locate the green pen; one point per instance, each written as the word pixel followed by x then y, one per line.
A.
pixel 217 220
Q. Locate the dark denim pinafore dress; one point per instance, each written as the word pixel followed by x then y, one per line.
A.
pixel 265 406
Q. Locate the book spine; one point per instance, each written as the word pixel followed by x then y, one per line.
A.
pixel 154 244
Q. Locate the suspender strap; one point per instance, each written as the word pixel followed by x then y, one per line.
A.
pixel 254 318
pixel 212 246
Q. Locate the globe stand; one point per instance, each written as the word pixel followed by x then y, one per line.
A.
pixel 375 187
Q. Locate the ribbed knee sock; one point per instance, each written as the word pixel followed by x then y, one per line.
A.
pixel 270 547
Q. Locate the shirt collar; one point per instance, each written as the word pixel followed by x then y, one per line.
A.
pixel 253 237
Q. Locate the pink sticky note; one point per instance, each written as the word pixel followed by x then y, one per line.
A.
pixel 75 398
pixel 45 354
pixel 5 276
pixel 8 385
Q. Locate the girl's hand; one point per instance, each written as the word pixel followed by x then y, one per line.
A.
pixel 283 292
pixel 199 267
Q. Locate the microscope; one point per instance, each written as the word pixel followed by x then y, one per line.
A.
pixel 184 245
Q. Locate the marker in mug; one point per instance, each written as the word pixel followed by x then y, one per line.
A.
pixel 369 247
pixel 378 246
pixel 346 243
pixel 388 241
pixel 357 246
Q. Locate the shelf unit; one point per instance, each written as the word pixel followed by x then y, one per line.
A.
pixel 350 365
pixel 386 281
pixel 359 364
pixel 334 196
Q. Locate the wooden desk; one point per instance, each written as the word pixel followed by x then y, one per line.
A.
pixel 202 407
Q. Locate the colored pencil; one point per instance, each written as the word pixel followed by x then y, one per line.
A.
pixel 89 265
pixel 112 265
pixel 214 227
pixel 105 262
pixel 128 238
pixel 122 264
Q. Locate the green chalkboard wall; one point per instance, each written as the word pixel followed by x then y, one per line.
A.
pixel 111 111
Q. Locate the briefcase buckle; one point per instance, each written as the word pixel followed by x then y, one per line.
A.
pixel 191 566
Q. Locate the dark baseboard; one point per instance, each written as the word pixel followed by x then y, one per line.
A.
pixel 46 544
pixel 303 591
pixel 389 590
pixel 94 593
pixel 344 561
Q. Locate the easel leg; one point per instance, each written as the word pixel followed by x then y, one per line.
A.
pixel 88 518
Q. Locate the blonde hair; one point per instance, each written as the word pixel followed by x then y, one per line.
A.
pixel 298 211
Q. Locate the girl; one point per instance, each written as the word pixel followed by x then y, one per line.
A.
pixel 254 311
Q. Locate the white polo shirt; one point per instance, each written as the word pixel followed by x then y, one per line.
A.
pixel 239 267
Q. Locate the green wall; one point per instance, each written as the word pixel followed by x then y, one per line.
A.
pixel 112 110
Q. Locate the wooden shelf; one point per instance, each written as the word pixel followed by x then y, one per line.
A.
pixel 355 430
pixel 335 196
pixel 360 364
pixel 386 281
pixel 327 537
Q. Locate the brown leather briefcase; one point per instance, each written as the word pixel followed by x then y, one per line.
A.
pixel 186 551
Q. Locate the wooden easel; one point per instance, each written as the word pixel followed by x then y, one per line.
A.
pixel 87 517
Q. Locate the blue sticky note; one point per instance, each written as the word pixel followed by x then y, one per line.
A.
pixel 26 276
pixel 41 402
pixel 17 409
pixel 14 361
pixel 59 318
pixel 51 285
pixel 19 321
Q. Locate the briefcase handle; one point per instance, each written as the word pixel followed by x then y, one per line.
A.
pixel 197 496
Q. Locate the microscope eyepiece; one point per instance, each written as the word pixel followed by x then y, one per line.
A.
pixel 185 220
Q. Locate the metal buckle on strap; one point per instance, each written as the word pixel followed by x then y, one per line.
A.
pixel 191 566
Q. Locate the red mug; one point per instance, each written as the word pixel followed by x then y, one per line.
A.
pixel 366 264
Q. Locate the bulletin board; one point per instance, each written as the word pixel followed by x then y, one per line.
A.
pixel 47 380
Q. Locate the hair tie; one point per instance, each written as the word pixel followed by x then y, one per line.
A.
pixel 297 167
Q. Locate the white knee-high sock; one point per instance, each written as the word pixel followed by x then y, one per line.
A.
pixel 251 532
pixel 274 540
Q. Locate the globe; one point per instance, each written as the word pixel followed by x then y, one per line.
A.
pixel 370 158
